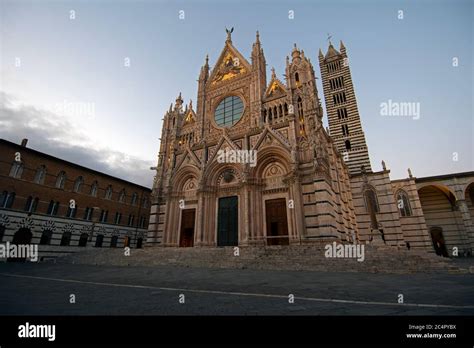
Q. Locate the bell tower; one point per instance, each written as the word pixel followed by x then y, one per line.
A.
pixel 341 106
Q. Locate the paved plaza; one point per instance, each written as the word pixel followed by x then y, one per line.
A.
pixel 46 289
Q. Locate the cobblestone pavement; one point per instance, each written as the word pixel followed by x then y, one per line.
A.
pixel 45 289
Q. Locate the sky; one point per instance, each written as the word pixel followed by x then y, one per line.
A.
pixel 90 81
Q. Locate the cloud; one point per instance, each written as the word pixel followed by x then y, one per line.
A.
pixel 57 136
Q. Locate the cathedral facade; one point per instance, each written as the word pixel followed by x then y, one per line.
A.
pixel 252 164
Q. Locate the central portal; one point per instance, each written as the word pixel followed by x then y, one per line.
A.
pixel 277 224
pixel 187 228
pixel 227 224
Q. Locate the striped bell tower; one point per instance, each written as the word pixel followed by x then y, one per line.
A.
pixel 341 106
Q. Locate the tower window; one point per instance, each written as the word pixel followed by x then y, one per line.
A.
pixel 297 78
pixel 348 144
pixel 345 130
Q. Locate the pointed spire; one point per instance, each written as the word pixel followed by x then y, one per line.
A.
pixel 179 102
pixel 257 39
pixel 341 46
pixel 171 107
pixel 207 60
pixel 190 104
pixel 321 53
pixel 273 73
pixel 229 35
pixel 296 53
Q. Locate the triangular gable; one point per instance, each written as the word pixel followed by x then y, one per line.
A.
pixel 275 88
pixel 192 156
pixel 189 118
pixel 274 134
pixel 224 140
pixel 229 65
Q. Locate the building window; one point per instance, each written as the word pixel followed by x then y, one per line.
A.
pixel 348 144
pixel 403 203
pixel 53 208
pixel 229 111
pixel 108 192
pixel 134 198
pixel 83 239
pixel 78 184
pixel 66 239
pixel 89 212
pixel 130 220
pixel 122 196
pixel 104 215
pixel 71 212
pixel 7 199
pixel 31 204
pixel 94 189
pixel 118 217
pixel 297 79
pixel 371 201
pixel 46 237
pixel 16 170
pixel 145 202
pixel 345 130
pixel 40 175
pixel 61 180
pixel 142 221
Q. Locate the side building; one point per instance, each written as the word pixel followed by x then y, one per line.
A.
pixel 63 206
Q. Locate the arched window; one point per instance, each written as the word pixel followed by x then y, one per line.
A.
pixel 134 198
pixel 7 199
pixel 46 237
pixel 40 175
pixel 78 184
pixel 348 144
pixel 31 204
pixel 66 239
pixel 130 219
pixel 83 239
pixel 113 242
pixel 94 187
pixel 122 196
pixel 61 180
pixel 297 78
pixel 471 193
pixel 108 192
pixel 71 212
pixel 371 201
pixel 53 208
pixel 145 202
pixel 403 203
pixel 16 170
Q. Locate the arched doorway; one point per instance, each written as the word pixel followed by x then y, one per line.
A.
pixel 98 241
pixel 442 216
pixel 83 240
pixel 21 237
pixel 126 242
pixel 2 232
pixel 113 242
pixel 188 217
pixel 439 244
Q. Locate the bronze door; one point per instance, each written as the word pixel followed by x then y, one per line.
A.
pixel 277 224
